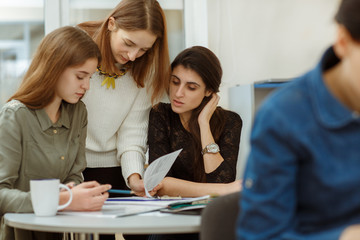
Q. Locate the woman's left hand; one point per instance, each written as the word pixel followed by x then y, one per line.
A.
pixel 156 189
pixel 87 196
pixel 209 109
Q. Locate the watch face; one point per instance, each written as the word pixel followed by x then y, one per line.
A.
pixel 213 148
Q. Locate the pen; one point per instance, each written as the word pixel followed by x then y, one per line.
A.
pixel 120 191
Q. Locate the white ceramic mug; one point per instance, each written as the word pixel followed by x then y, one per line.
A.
pixel 45 196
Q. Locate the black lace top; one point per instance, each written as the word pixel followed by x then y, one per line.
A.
pixel 167 134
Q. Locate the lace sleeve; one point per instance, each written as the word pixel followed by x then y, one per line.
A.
pixel 158 140
pixel 229 149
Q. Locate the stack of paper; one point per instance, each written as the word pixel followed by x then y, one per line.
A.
pixel 192 206
pixel 113 211
pixel 127 206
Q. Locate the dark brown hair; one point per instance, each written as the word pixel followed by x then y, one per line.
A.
pixel 133 15
pixel 62 48
pixel 205 63
pixel 349 16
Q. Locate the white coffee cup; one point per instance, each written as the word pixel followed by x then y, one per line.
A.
pixel 45 196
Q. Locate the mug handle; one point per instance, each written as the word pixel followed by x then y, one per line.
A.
pixel 70 199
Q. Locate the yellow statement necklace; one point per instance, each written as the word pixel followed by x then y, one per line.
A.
pixel 110 78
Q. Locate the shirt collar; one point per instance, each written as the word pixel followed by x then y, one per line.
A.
pixel 329 110
pixel 45 121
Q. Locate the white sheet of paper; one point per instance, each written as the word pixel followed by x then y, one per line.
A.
pixel 157 170
pixel 113 211
pixel 145 201
pixel 141 201
pixel 127 206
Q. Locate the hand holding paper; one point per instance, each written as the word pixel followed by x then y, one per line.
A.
pixel 157 170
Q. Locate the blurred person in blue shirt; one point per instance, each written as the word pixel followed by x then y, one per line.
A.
pixel 302 179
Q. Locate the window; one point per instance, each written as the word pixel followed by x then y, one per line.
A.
pixel 22 24
pixel 21 30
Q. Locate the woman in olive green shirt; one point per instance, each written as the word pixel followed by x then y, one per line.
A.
pixel 43 128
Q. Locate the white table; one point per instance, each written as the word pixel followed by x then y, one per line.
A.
pixel 150 223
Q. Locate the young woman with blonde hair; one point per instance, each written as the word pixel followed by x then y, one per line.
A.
pixel 132 75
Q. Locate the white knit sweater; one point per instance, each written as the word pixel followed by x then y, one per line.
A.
pixel 117 124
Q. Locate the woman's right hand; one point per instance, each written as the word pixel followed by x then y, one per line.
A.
pixel 87 196
pixel 137 186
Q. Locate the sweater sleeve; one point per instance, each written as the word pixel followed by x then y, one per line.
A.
pixel 132 136
pixel 11 199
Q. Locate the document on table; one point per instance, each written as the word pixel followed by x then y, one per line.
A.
pixel 157 170
pixel 127 206
pixel 114 211
pixel 144 201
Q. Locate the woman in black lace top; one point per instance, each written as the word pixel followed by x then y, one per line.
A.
pixel 208 135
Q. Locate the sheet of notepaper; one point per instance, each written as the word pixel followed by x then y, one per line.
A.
pixel 157 170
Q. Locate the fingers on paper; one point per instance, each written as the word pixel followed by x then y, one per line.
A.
pixel 159 186
pixel 156 189
pixel 140 194
pixel 152 192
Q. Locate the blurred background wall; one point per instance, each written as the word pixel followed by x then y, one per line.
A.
pixel 254 39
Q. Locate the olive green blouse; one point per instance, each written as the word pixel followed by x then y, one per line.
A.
pixel 32 147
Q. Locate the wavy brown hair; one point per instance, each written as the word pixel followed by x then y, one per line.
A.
pixel 133 15
pixel 205 63
pixel 62 48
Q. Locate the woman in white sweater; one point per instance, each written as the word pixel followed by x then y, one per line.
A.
pixel 132 75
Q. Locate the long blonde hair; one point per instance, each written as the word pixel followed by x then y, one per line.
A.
pixel 133 15
pixel 62 48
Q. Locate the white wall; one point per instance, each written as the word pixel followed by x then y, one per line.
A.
pixel 260 39
pixel 263 39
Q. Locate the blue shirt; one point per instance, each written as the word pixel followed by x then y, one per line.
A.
pixel 302 179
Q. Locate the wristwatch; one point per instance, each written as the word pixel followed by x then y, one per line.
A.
pixel 211 148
